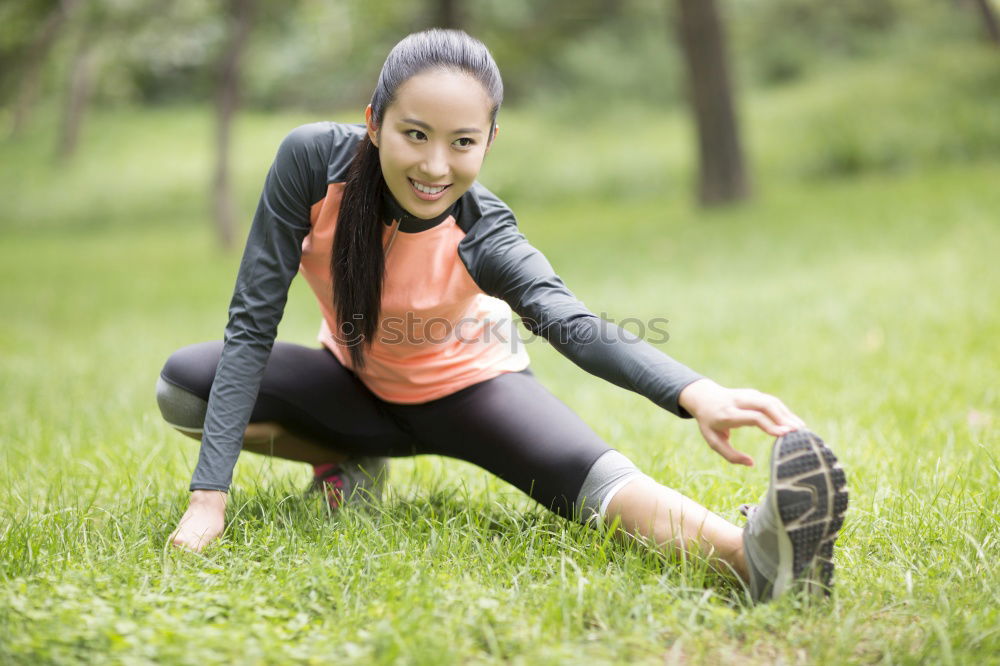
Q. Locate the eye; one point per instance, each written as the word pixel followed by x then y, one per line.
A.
pixel 465 142
pixel 415 134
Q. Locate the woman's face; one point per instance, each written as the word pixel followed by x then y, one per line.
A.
pixel 433 139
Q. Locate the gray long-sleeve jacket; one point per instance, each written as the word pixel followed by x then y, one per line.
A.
pixel 310 166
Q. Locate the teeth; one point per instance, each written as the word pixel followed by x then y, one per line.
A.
pixel 427 190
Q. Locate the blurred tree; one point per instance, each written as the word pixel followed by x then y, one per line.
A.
pixel 448 14
pixel 34 59
pixel 99 34
pixel 240 21
pixel 173 55
pixel 783 40
pixel 533 42
pixel 722 175
pixel 989 20
pixel 81 75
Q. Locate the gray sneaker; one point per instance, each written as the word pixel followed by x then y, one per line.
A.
pixel 788 539
pixel 360 479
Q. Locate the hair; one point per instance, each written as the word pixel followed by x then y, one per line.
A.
pixel 358 262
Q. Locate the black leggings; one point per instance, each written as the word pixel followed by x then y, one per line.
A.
pixel 510 425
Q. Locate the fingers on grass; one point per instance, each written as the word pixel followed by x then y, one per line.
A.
pixel 195 546
pixel 719 441
pixel 736 457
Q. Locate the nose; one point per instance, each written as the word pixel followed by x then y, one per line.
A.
pixel 435 164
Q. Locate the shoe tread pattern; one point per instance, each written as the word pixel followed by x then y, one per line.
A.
pixel 812 498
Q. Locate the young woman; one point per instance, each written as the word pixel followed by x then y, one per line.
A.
pixel 413 264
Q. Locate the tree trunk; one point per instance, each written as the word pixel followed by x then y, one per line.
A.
pixel 449 14
pixel 35 59
pixel 723 178
pixel 989 20
pixel 77 95
pixel 226 103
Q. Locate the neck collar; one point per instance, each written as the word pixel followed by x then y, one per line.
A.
pixel 410 224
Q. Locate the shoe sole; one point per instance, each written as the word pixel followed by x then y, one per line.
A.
pixel 811 495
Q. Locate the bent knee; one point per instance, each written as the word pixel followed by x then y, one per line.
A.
pixel 184 383
pixel 181 408
pixel 193 367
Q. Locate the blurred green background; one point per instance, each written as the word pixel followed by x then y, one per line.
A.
pixel 128 104
pixel 857 279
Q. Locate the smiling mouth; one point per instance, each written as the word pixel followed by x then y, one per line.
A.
pixel 428 192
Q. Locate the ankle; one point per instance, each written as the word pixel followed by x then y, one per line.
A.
pixel 738 560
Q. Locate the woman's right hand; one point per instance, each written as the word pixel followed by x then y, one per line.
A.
pixel 203 521
pixel 718 410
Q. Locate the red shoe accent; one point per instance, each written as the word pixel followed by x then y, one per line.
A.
pixel 328 478
pixel 324 470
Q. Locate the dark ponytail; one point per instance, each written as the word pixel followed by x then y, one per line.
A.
pixel 358 261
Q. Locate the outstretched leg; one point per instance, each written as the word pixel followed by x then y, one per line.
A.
pixel 789 538
pixel 514 427
pixel 673 523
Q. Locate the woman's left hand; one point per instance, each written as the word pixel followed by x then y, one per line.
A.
pixel 719 409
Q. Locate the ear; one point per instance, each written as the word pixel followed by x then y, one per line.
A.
pixel 370 123
pixel 493 137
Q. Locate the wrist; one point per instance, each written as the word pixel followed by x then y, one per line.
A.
pixel 694 396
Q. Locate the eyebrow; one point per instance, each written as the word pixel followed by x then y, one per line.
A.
pixel 462 130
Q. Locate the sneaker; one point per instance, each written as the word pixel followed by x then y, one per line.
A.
pixel 354 480
pixel 788 539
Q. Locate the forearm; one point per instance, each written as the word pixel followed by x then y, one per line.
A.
pixel 230 404
pixel 254 314
pixel 622 358
pixel 270 261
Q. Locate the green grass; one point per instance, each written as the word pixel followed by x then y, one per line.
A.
pixel 867 303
